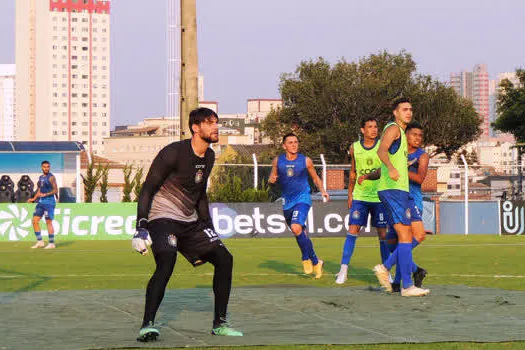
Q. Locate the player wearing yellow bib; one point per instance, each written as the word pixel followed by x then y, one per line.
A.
pixel 362 195
pixel 393 190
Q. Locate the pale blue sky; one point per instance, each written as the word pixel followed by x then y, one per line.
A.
pixel 244 45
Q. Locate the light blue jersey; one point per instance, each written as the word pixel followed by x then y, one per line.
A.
pixel 45 186
pixel 293 178
pixel 414 187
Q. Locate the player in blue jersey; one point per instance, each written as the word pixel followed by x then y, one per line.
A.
pixel 393 190
pixel 418 161
pixel 45 195
pixel 292 169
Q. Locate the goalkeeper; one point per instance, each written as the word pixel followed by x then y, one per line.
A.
pixel 173 215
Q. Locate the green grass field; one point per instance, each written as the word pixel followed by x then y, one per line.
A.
pixel 475 260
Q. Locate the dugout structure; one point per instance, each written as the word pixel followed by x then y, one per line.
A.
pixel 19 158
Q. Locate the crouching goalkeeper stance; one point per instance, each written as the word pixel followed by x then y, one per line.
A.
pixel 173 215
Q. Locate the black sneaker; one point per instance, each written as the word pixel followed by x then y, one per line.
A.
pixel 418 276
pixel 396 288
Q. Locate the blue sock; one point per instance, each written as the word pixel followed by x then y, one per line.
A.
pixel 51 238
pixel 311 252
pixel 348 248
pixel 302 242
pixel 392 259
pixel 405 263
pixel 38 236
pixel 385 251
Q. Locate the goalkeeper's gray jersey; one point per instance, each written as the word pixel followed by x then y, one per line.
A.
pixel 176 184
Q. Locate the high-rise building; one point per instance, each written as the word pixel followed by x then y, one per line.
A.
pixel 7 102
pixel 475 87
pixel 493 98
pixel 63 71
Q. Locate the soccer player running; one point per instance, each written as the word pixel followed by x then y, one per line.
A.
pixel 417 171
pixel 292 169
pixel 394 193
pixel 362 196
pixel 45 195
pixel 173 214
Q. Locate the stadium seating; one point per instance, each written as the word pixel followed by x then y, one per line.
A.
pixel 6 189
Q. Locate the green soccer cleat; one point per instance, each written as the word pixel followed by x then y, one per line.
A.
pixel 226 331
pixel 148 333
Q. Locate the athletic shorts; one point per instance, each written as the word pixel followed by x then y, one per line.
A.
pixel 45 209
pixel 192 239
pixel 360 210
pixel 400 207
pixel 297 214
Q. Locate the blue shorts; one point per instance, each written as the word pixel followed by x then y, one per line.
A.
pixel 359 213
pixel 297 214
pixel 47 209
pixel 400 207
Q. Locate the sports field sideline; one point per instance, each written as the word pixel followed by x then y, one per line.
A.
pixel 488 267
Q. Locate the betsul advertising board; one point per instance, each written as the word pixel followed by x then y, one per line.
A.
pixel 113 221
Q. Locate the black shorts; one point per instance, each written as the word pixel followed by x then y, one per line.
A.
pixel 192 239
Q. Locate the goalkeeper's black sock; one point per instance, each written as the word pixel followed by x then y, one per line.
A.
pixel 222 260
pixel 157 284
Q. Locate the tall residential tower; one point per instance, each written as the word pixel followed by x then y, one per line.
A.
pixel 63 71
pixel 475 87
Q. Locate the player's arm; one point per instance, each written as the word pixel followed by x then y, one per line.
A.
pixel 273 174
pixel 37 194
pixel 316 179
pixel 419 177
pixel 391 134
pixel 374 175
pixel 352 178
pixel 54 191
pixel 203 205
pixel 161 167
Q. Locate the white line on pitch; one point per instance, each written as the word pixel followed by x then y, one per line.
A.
pixel 240 274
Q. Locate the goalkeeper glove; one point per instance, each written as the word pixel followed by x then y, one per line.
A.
pixel 141 240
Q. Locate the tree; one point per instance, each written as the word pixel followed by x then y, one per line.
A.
pixel 90 180
pixel 128 183
pixel 137 183
pixel 104 184
pixel 324 104
pixel 448 120
pixel 510 107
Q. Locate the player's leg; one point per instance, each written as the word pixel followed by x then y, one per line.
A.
pixel 317 263
pixel 297 230
pixel 397 204
pixel 222 260
pixel 164 250
pixel 200 245
pixel 312 263
pixel 380 223
pixel 419 235
pixel 37 216
pixel 357 218
pixel 50 229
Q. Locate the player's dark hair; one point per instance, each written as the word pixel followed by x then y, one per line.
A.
pixel 398 101
pixel 45 162
pixel 289 135
pixel 413 125
pixel 368 119
pixel 199 115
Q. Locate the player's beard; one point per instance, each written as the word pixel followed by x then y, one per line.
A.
pixel 208 139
